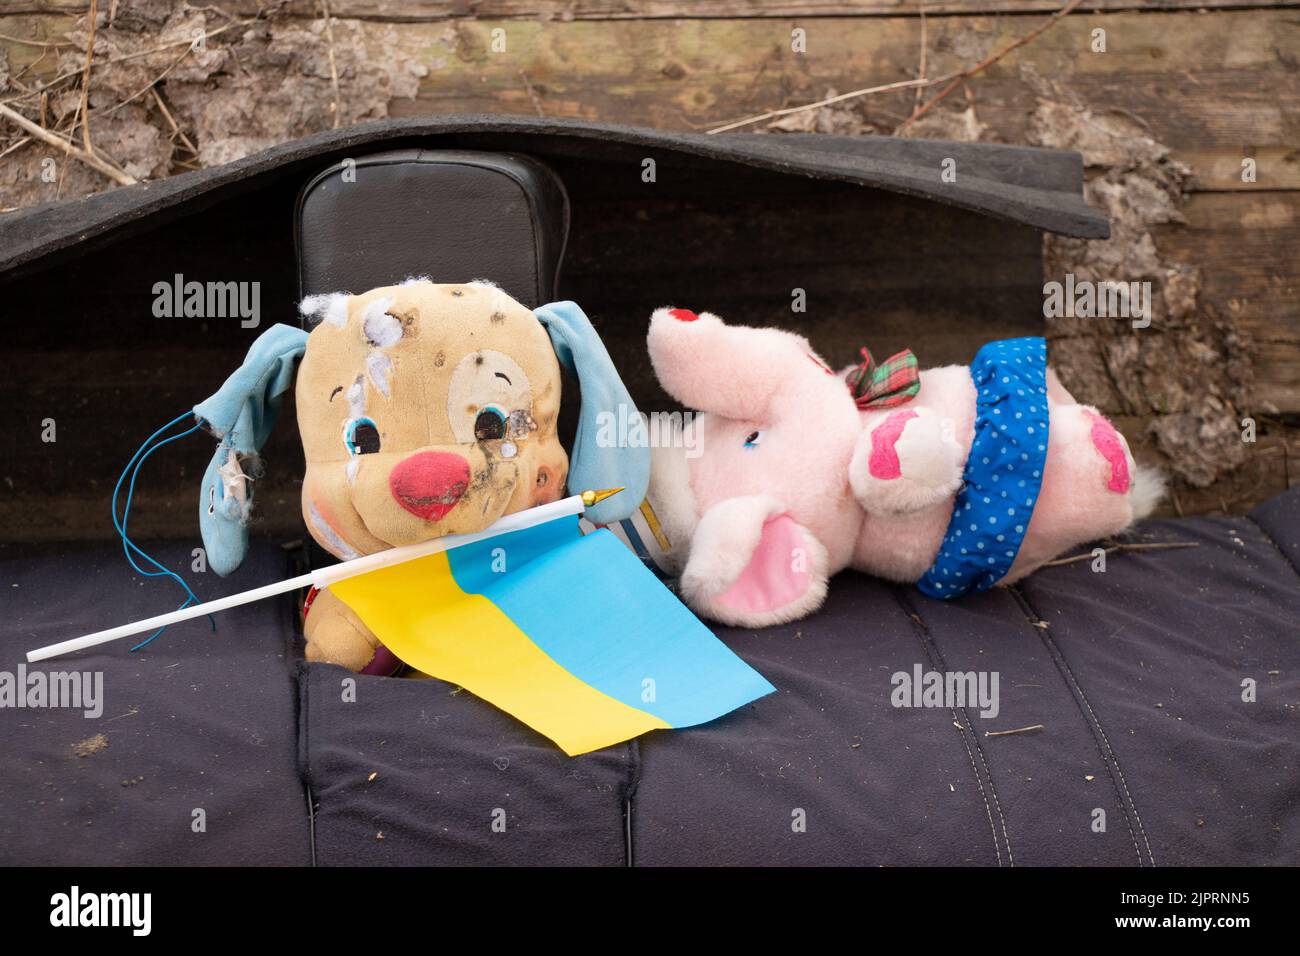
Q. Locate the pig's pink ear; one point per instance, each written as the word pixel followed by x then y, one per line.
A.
pixel 752 565
pixel 730 370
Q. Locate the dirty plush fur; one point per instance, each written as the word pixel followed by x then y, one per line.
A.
pixel 781 496
pixel 424 410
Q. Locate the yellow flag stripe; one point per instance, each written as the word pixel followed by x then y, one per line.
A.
pixel 424 617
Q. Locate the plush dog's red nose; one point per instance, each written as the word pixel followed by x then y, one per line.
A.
pixel 429 484
pixel 683 315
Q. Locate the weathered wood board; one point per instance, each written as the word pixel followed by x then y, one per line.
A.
pixel 1248 250
pixel 1216 83
pixel 566 10
pixel 1215 86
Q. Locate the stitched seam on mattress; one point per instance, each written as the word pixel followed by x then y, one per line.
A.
pixel 936 659
pixel 629 796
pixel 1108 755
pixel 298 679
pixel 306 757
pixel 1277 547
pixel 298 683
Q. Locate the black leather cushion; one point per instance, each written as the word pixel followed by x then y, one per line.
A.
pixel 452 215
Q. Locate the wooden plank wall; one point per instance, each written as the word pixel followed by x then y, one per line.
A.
pixel 1215 81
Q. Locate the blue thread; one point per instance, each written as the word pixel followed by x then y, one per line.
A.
pixel 133 466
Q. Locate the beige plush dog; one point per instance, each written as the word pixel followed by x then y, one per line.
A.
pixel 424 410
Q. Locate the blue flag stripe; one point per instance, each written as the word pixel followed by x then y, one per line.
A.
pixel 616 627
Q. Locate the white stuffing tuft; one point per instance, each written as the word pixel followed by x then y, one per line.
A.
pixel 331 307
pixel 415 280
pixel 378 366
pixel 499 300
pixel 382 330
pixel 356 396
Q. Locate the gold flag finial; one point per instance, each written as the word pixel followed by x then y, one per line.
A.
pixel 590 497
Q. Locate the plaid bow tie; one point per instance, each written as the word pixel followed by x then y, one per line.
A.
pixel 892 382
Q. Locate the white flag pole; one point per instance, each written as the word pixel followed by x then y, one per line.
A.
pixel 324 577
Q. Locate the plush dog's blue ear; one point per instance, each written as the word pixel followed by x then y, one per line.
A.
pixel 240 416
pixel 605 402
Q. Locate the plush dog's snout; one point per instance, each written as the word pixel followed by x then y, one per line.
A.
pixel 429 484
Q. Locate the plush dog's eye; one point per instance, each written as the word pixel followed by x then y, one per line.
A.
pixel 361 436
pixel 753 439
pixel 490 424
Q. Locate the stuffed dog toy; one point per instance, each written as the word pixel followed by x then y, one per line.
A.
pixel 955 478
pixel 424 410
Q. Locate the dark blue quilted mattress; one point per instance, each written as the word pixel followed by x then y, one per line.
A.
pixel 1161 697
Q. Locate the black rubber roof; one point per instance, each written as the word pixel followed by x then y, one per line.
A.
pixel 1037 187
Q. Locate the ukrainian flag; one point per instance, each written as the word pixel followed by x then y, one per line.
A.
pixel 570 633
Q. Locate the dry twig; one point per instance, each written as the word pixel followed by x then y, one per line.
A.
pixel 1161 546
pixel 171 45
pixel 53 139
pixel 987 62
pixel 335 107
pixel 177 132
pixel 953 79
pixel 925 42
pixel 888 87
pixel 1018 730
pixel 26 42
pixel 532 93
pixel 151 84
pixel 85 79
pixel 16 145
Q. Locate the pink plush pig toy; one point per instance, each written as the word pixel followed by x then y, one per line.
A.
pixel 957 478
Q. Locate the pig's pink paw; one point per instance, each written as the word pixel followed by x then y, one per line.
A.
pixel 1111 445
pixel 908 462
